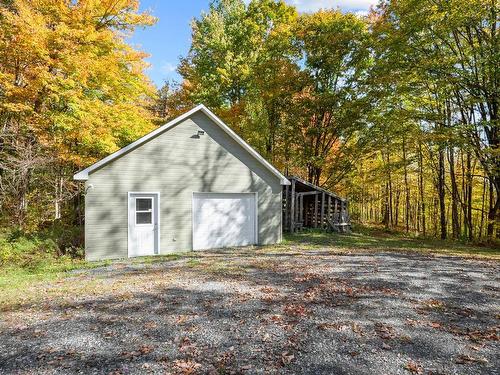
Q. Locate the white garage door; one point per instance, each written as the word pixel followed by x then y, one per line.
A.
pixel 223 220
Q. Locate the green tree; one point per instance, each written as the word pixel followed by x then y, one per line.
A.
pixel 335 56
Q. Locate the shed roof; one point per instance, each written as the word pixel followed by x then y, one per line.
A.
pixel 303 185
pixel 84 174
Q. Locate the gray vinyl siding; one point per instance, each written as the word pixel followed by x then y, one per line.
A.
pixel 176 163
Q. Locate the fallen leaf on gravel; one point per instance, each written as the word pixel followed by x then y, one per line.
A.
pixel 150 325
pixel 433 304
pixel 405 338
pixel 487 334
pixel 357 329
pixel 187 367
pixel 186 346
pixel 413 322
pixel 414 368
pixel 435 325
pixel 268 289
pixel 295 310
pixel 145 349
pixel 465 358
pixel 312 293
pixel 339 326
pixel 386 347
pixel 286 358
pixel 475 347
pixel 306 277
pixel 385 331
pixel 193 328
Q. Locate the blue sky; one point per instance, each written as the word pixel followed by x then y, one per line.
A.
pixel 170 38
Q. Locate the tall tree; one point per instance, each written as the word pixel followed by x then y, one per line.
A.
pixel 335 55
pixel 71 91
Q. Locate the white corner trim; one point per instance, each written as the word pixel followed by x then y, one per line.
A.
pixel 84 174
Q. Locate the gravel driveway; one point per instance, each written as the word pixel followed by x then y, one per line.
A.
pixel 254 312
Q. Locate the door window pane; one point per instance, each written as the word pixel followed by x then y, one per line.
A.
pixel 144 218
pixel 143 204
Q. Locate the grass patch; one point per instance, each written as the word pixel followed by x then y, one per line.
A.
pixel 366 238
pixel 225 268
pixel 156 258
pixel 193 262
pixel 28 259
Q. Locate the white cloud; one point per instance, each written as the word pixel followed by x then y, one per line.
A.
pixel 168 68
pixel 345 5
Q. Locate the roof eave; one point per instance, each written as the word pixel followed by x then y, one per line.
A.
pixel 84 174
pixel 285 181
pixel 81 176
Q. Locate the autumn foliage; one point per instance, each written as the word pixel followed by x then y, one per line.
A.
pixel 71 91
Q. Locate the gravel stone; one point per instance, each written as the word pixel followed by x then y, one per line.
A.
pixel 251 311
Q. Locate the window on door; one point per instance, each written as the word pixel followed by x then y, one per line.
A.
pixel 143 211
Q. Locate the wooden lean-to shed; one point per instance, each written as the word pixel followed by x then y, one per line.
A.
pixel 191 184
pixel 306 205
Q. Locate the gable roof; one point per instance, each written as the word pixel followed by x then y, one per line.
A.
pixel 84 174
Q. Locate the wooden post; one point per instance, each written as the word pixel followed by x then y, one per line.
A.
pixel 287 206
pixel 315 210
pixel 347 219
pixel 301 209
pixel 292 208
pixel 297 201
pixel 329 209
pixel 335 212
pixel 322 221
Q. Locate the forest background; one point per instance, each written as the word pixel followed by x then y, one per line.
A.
pixel 396 110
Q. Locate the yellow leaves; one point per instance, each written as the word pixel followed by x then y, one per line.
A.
pixel 67 71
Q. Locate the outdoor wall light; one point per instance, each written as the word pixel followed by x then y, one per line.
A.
pixel 89 187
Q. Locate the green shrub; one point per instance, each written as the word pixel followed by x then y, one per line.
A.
pixel 33 252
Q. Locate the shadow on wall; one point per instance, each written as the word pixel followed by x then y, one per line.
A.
pixel 177 166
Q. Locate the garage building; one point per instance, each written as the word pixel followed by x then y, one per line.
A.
pixel 191 184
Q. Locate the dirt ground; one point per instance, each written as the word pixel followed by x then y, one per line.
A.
pixel 254 311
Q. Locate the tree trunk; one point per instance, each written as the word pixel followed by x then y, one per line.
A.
pixel 483 206
pixel 421 186
pixel 493 208
pixel 455 223
pixel 407 187
pixel 441 194
pixel 469 197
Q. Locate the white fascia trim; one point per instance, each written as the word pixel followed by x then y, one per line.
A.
pixel 84 174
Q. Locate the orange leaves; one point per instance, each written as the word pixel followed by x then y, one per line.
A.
pixel 186 366
pixel 414 368
pixel 70 78
pixel 465 358
pixel 433 304
pixel 385 331
pixel 297 310
pixel 142 350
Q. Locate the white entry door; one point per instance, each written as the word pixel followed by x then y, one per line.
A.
pixel 143 220
pixel 224 220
